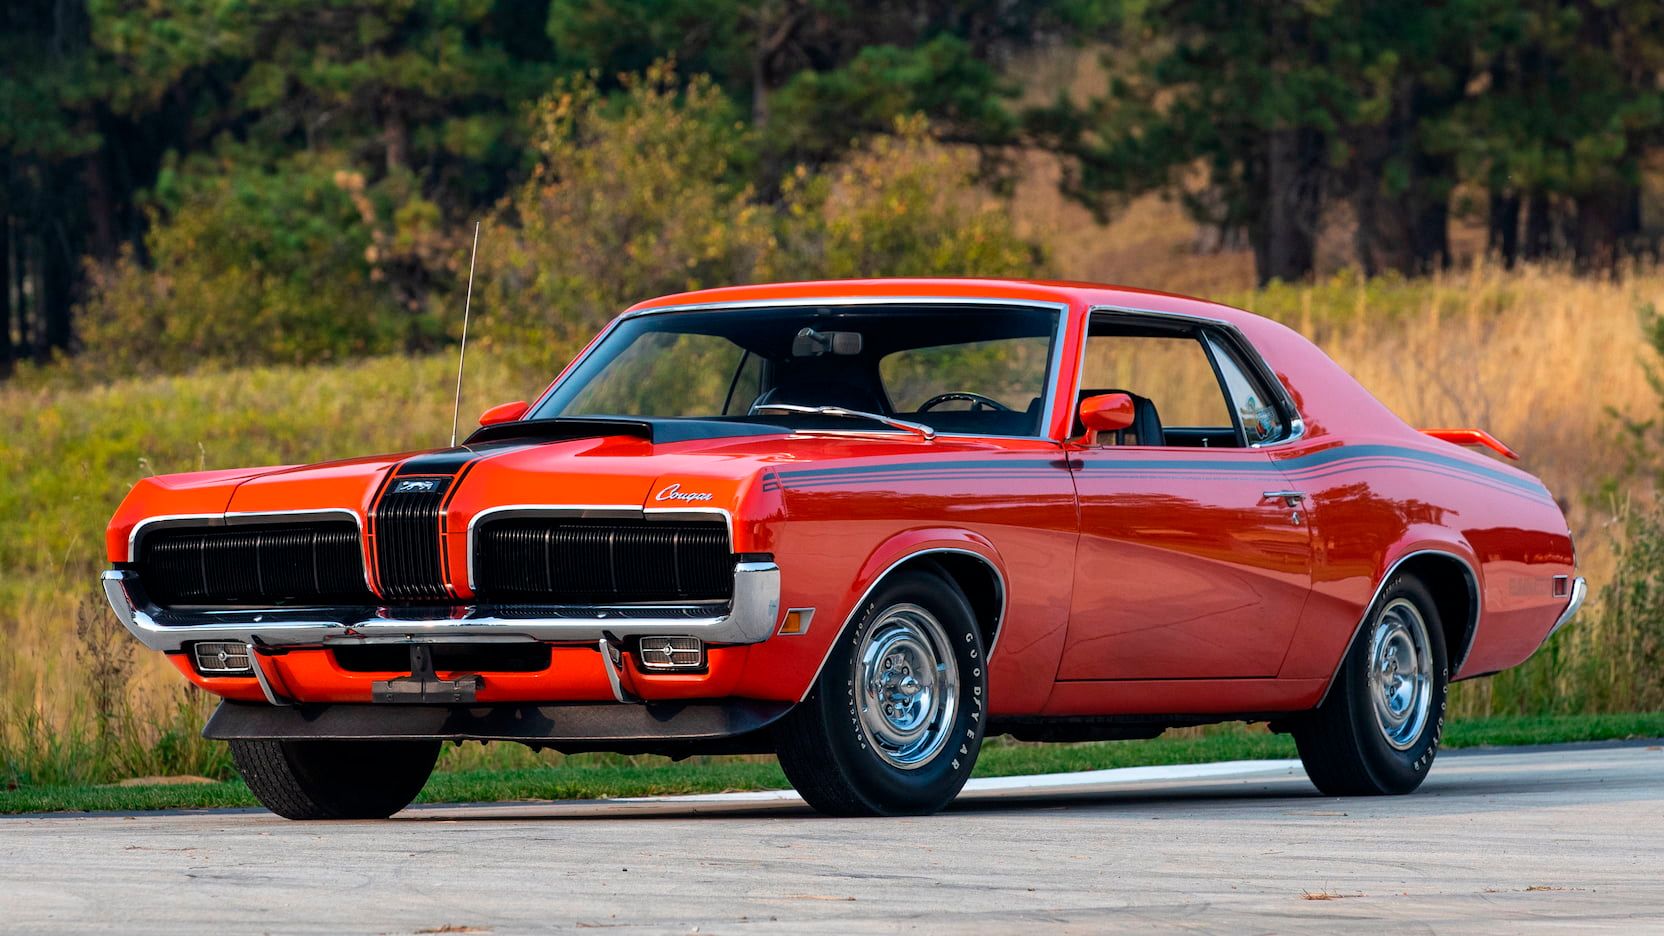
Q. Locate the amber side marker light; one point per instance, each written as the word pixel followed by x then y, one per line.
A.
pixel 796 622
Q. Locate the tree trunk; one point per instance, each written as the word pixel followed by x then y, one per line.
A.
pixel 1605 223
pixel 100 206
pixel 395 139
pixel 1539 227
pixel 5 294
pixel 1503 223
pixel 1285 235
pixel 57 290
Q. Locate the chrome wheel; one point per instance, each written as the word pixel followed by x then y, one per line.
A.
pixel 907 685
pixel 1400 673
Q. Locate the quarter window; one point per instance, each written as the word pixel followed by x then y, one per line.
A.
pixel 1256 414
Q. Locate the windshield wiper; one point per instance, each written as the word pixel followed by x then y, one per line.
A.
pixel 923 431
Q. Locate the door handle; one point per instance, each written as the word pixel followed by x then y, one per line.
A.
pixel 1291 498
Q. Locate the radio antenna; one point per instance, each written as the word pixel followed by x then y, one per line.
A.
pixel 462 354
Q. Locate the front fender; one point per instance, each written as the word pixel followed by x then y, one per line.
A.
pixel 785 667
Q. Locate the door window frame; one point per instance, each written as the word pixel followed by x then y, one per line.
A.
pixel 1247 358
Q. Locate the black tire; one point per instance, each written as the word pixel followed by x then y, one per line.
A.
pixel 835 760
pixel 1345 745
pixel 335 779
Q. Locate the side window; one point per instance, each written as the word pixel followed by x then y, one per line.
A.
pixel 1171 378
pixel 1256 413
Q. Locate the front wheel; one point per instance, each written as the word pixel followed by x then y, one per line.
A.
pixel 1379 729
pixel 895 719
pixel 335 779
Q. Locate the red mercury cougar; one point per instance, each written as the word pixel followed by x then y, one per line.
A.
pixel 861 525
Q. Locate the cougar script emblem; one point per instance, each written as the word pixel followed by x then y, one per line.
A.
pixel 674 493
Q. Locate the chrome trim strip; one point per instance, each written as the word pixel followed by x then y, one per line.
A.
pixel 999 619
pixel 1580 591
pixel 1053 369
pixel 168 520
pixel 1454 663
pixel 591 512
pixel 1296 428
pixel 260 675
pixel 750 618
pixel 247 518
pixel 612 665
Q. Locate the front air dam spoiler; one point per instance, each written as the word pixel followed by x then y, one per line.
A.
pixel 732 725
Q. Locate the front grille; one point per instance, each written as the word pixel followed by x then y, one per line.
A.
pixel 263 565
pixel 572 561
pixel 405 524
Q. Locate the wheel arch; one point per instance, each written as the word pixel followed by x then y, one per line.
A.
pixel 1455 588
pixel 1452 579
pixel 969 562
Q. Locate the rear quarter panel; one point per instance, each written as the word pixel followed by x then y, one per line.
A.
pixel 1380 490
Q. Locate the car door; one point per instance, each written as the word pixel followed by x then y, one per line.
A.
pixel 1194 559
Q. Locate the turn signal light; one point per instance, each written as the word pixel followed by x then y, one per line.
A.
pixel 796 622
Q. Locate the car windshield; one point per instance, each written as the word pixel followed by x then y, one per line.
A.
pixel 959 369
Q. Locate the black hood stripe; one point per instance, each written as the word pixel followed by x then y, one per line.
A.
pixel 451 461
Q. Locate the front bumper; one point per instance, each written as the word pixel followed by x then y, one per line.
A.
pixel 750 618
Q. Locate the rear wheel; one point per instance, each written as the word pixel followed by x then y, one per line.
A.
pixel 895 720
pixel 1380 727
pixel 335 779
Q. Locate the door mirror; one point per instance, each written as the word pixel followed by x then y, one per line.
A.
pixel 507 412
pixel 1108 412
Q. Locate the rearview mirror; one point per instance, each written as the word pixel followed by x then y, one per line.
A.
pixel 1107 412
pixel 811 343
pixel 507 412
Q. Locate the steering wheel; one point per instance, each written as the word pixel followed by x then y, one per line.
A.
pixel 976 400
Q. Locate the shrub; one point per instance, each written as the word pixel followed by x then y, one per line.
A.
pixel 630 198
pixel 247 265
pixel 899 205
pixel 647 195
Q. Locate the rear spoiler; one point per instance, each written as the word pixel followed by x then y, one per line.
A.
pixel 1473 437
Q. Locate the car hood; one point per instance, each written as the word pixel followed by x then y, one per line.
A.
pixel 602 472
pixel 605 470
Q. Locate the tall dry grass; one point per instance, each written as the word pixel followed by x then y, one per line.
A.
pixel 1540 358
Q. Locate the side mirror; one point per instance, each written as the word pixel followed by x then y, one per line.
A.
pixel 507 412
pixel 1108 412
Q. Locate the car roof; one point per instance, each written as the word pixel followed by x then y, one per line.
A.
pixel 904 288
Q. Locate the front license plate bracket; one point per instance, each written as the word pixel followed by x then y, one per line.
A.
pixel 423 685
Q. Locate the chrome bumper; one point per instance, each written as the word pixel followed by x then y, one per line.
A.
pixel 749 618
pixel 1580 591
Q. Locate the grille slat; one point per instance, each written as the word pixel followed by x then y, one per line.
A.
pixel 573 561
pixel 405 524
pixel 271 564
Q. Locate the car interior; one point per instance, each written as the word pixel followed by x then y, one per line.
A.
pixel 972 370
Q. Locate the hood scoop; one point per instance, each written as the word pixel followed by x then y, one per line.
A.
pixel 656 431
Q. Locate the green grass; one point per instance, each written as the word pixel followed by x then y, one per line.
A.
pixel 600 778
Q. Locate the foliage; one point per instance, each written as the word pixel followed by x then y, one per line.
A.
pixel 900 205
pixel 647 194
pixel 253 265
pixel 1288 109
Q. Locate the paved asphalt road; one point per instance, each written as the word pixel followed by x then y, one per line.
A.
pixel 1545 840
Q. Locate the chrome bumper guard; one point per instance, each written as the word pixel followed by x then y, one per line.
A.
pixel 1580 591
pixel 749 618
